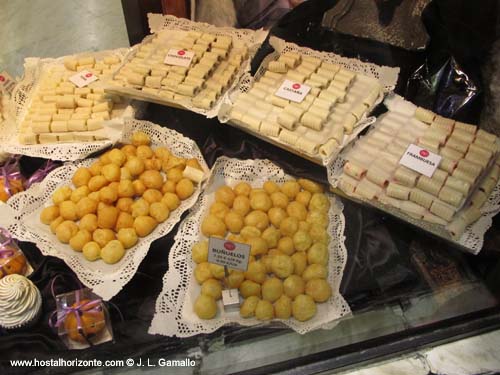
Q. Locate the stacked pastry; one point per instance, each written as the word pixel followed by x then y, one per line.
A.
pixel 466 175
pixel 337 100
pixel 62 112
pixel 210 72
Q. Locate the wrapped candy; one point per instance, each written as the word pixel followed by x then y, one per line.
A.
pixel 11 179
pixel 81 319
pixel 12 259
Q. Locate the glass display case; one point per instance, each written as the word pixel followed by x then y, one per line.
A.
pixel 407 289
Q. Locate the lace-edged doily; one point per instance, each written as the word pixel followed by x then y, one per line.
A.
pixel 21 100
pixel 473 237
pixel 252 39
pixel 174 307
pixel 104 279
pixel 386 76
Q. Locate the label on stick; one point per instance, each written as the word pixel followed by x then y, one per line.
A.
pixel 179 57
pixel 231 254
pixel 294 91
pixel 420 160
pixel 83 78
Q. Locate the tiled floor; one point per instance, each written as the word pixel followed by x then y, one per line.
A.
pixel 52 28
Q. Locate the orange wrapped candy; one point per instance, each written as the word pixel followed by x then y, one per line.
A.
pixel 85 317
pixel 11 179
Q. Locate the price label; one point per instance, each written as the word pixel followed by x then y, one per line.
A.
pixel 83 78
pixel 294 91
pixel 420 160
pixel 179 57
pixel 7 83
pixel 230 254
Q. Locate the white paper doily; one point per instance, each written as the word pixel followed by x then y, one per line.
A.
pixel 174 313
pixel 21 101
pixel 252 39
pixel 105 280
pixel 386 76
pixel 473 237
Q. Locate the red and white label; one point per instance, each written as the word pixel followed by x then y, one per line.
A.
pixel 7 83
pixel 294 91
pixel 420 160
pixel 230 254
pixel 83 78
pixel 179 57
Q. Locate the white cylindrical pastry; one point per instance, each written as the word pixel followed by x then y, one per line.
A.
pixel 349 123
pixel 84 102
pixel 312 121
pixel 398 191
pixel 478 198
pixel 295 76
pixel 65 102
pixel 269 128
pixel 470 215
pixel 287 120
pixel 424 115
pixel 405 176
pixel 368 189
pixel 450 196
pixel 485 136
pixel 421 198
pixel 329 66
pixel 251 121
pixel 277 67
pixel 442 210
pixel 307 146
pixel 485 154
pixel 193 174
pixel 487 186
pixel 153 81
pixel 101 107
pixel 347 184
pixel 354 170
pixel 40 127
pixel 458 185
pixel 186 89
pixel 456 228
pixel 328 148
pixel 378 176
pixel 95 124
pixel 279 102
pixel 461 174
pixel 462 135
pixel 412 209
pixel 59 126
pixel 77 125
pixel 450 153
pixel 288 136
pixel 429 185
